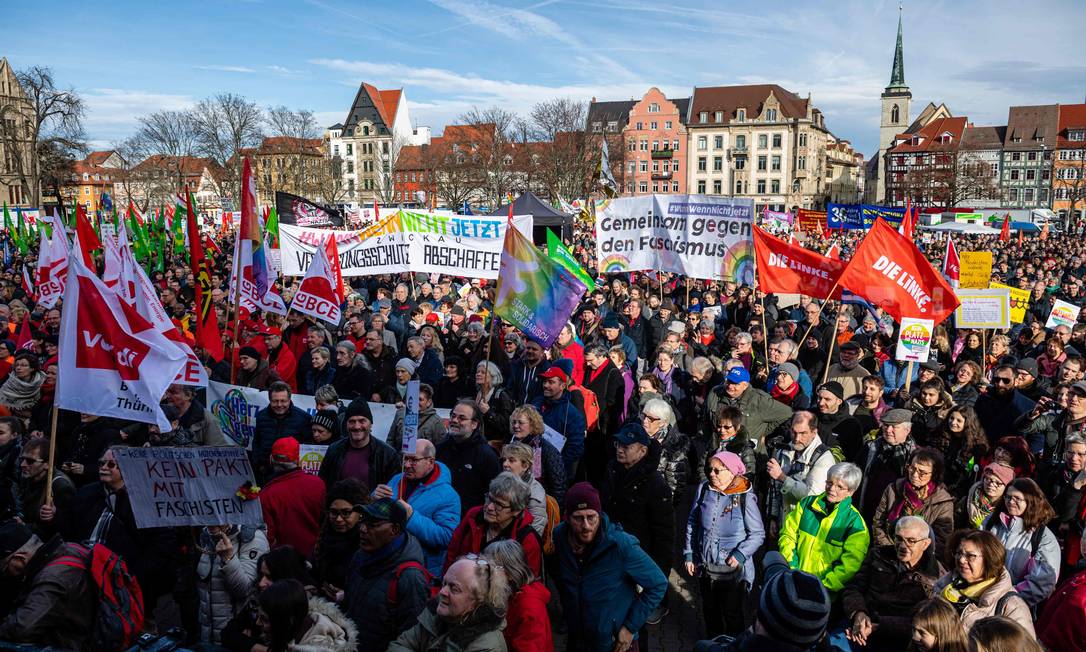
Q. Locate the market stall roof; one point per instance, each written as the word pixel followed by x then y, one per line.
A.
pixel 543 216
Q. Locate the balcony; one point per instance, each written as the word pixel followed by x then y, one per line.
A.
pixel 739 149
pixel 661 176
pixel 662 153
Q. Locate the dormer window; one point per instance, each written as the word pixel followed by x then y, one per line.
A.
pixel 741 115
pixel 771 115
pixel 654 108
pixel 703 117
pixel 718 116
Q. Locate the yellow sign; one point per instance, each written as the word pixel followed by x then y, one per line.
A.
pixel 976 269
pixel 1019 302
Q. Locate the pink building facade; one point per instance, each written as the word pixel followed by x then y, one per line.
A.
pixel 655 152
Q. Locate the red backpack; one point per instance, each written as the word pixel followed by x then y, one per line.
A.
pixel 119 620
pixel 591 406
pixel 432 583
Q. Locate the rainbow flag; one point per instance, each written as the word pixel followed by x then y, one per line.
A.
pixel 249 232
pixel 535 294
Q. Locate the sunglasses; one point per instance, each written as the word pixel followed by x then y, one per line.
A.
pixel 109 464
pixel 999 380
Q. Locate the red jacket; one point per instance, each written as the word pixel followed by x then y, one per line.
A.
pixel 527 625
pixel 575 352
pixel 285 364
pixel 1060 625
pixel 468 538
pixel 293 504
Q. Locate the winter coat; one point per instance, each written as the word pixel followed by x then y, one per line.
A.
pixel 353 381
pixel 469 537
pixel 639 500
pixel 331 630
pixel 293 503
pixel 436 513
pixel 843 427
pixel 366 598
pixel 527 623
pixel 384 462
pixel 805 474
pixel 888 591
pixel 431 427
pixel 481 632
pixel 937 511
pixel 537 504
pixel 473 464
pixel 600 592
pixel 332 555
pixel 553 472
pixel 447 392
pixel 204 428
pixel 761 413
pixel 609 387
pixel 89 441
pixel 573 352
pixel 56 604
pixel 1034 577
pixel 1014 607
pixel 271 427
pixel 831 545
pixel 32 496
pixel 223 587
pixel 997 415
pixel 1059 626
pixel 523 382
pixel 496 419
pixel 564 418
pixel 674 460
pixel 723 525
pixel 430 370
pixel 261 378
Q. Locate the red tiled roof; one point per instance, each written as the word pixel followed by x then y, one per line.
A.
pixel 391 101
pixel 750 97
pixel 98 158
pixel 288 145
pixel 191 166
pixel 1072 116
pixel 930 134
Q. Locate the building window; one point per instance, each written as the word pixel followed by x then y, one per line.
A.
pixel 675 145
pixel 703 143
pixel 1047 174
pixel 674 186
pixel 656 166
pixel 741 115
pixel 1016 156
pixel 1014 175
pixel 1043 198
pixel 741 142
pixel 776 163
pixel 350 149
pixel 718 117
pixel 1076 135
pixel 335 150
pixel 741 163
pixel 652 125
pixel 667 124
pixel 644 145
pixel 895 115
pixel 612 126
pixel 643 186
pixel 718 187
pixel 644 166
pixel 803 140
pixel 674 165
pixel 655 145
pixel 703 117
pixel 350 167
pixel 597 127
pixel 776 141
pixel 1031 156
pixel 771 115
pixel 761 186
pixel 801 163
pixel 701 164
pixel 1028 195
pixel 1012 194
pixel 761 163
pixel 631 145
pixel 654 108
pixel 718 163
pixel 640 126
pixel 701 187
pixel 1031 175
pixel 656 187
pixel 763 141
pixel 718 142
pixel 775 186
pixel 629 186
pixel 630 166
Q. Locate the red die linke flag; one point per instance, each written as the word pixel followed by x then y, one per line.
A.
pixel 113 362
pixel 318 295
pixel 783 267
pixel 890 272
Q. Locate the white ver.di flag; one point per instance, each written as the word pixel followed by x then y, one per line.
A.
pixel 52 268
pixel 113 362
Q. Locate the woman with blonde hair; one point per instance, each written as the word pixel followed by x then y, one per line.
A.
pixel 999 634
pixel 936 628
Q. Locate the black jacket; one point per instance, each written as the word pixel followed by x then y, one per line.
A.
pixel 353 381
pixel 639 500
pixel 384 462
pixel 473 464
pixel 523 383
pixel 675 461
pixel 610 390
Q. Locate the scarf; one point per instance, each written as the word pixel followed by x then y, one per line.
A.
pixel 21 394
pixel 894 457
pixel 910 503
pixel 665 377
pixel 960 594
pixel 882 357
pixel 784 395
pixel 978 506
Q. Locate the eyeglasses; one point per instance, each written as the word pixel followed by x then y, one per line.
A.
pixel 909 541
pixel 459 417
pixel 497 503
pixel 340 514
pixel 724 425
pixel 968 556
pixel 412 460
pixel 109 464
pixel 918 472
pixel 650 417
pixel 1017 500
pixel 716 471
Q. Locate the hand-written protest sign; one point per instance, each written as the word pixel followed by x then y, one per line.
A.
pixel 700 236
pixel 461 245
pixel 914 341
pixel 310 457
pixel 1019 301
pixel 177 487
pixel 1063 314
pixel 410 418
pixel 983 309
pixel 975 269
pixel 809 220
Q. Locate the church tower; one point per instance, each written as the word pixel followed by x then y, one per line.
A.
pixel 895 110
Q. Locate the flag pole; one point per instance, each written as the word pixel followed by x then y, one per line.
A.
pixel 820 308
pixel 765 333
pixel 52 456
pixel 829 355
pixel 908 377
pixel 237 317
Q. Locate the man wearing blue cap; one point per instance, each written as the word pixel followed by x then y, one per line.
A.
pixel 761 413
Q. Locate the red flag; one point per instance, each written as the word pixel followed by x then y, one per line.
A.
pixel 834 252
pixel 317 296
pixel 891 272
pixel 908 221
pixel 25 342
pixel 88 239
pixel 1020 238
pixel 28 284
pixel 207 322
pixel 1044 232
pixel 210 244
pixel 951 264
pixel 331 252
pixel 1005 232
pixel 786 268
pixel 510 211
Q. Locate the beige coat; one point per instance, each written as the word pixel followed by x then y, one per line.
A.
pixel 1014 607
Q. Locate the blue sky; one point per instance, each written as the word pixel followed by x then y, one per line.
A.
pixel 131 58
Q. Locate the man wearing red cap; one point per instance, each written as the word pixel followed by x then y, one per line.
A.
pixel 562 416
pixel 292 500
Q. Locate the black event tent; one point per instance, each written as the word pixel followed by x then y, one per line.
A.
pixel 543 216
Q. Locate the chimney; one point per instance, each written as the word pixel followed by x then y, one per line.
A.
pixel 593 99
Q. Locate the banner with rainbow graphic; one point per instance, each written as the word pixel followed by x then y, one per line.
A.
pixel 699 236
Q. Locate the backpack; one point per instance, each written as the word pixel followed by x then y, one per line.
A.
pixel 119 620
pixel 554 516
pixel 591 406
pixel 432 583
pixel 838 454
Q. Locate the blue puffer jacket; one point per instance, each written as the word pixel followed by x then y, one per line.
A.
pixel 436 515
pixel 713 534
pixel 565 419
pixel 270 427
pixel 599 594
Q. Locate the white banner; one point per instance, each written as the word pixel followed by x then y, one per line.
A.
pixel 460 245
pixel 1063 314
pixel 983 308
pixel 700 236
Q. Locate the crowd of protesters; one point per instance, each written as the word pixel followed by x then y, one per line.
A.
pixel 817 492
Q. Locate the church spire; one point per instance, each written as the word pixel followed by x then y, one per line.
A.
pixel 897 74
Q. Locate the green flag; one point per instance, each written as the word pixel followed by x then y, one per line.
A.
pixel 272 226
pixel 561 254
pixel 8 226
pixel 23 230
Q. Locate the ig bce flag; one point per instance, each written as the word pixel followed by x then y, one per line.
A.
pixel 890 272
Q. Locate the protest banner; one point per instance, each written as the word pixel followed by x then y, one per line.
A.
pixel 975 269
pixel 914 341
pixel 408 241
pixel 1019 301
pixel 891 214
pixel 183 487
pixel 983 309
pixel 410 418
pixel 776 221
pixel 809 220
pixel 699 236
pixel 861 216
pixel 310 457
pixel 1063 314
pixel 293 209
pixel 235 409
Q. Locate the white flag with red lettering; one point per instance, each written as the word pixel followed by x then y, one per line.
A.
pixel 52 269
pixel 113 362
pixel 319 294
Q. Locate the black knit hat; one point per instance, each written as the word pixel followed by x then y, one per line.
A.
pixel 329 420
pixel 359 408
pixel 794 607
pixel 13 535
pixel 249 352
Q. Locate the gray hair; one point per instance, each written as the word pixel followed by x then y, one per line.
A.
pixel 745 337
pixel 509 554
pixel 513 488
pixel 598 350
pixel 323 332
pixel 847 472
pixel 1074 438
pixel 914 523
pixel 496 378
pixel 326 394
pixel 347 346
pixel 701 365
pixel 476 327
pixel 791 344
pixel 658 407
pixel 490 587
pixel 321 351
pixel 416 339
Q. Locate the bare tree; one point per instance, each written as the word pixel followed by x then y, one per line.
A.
pixel 224 125
pixel 453 172
pixel 493 157
pixel 304 161
pixel 568 155
pixel 173 137
pixel 47 121
pixel 949 177
pixel 329 183
pixel 386 155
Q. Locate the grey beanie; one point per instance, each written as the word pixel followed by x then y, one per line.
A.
pixel 794 607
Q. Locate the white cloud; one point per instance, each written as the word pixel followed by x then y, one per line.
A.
pixel 112 113
pixel 280 70
pixel 221 68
